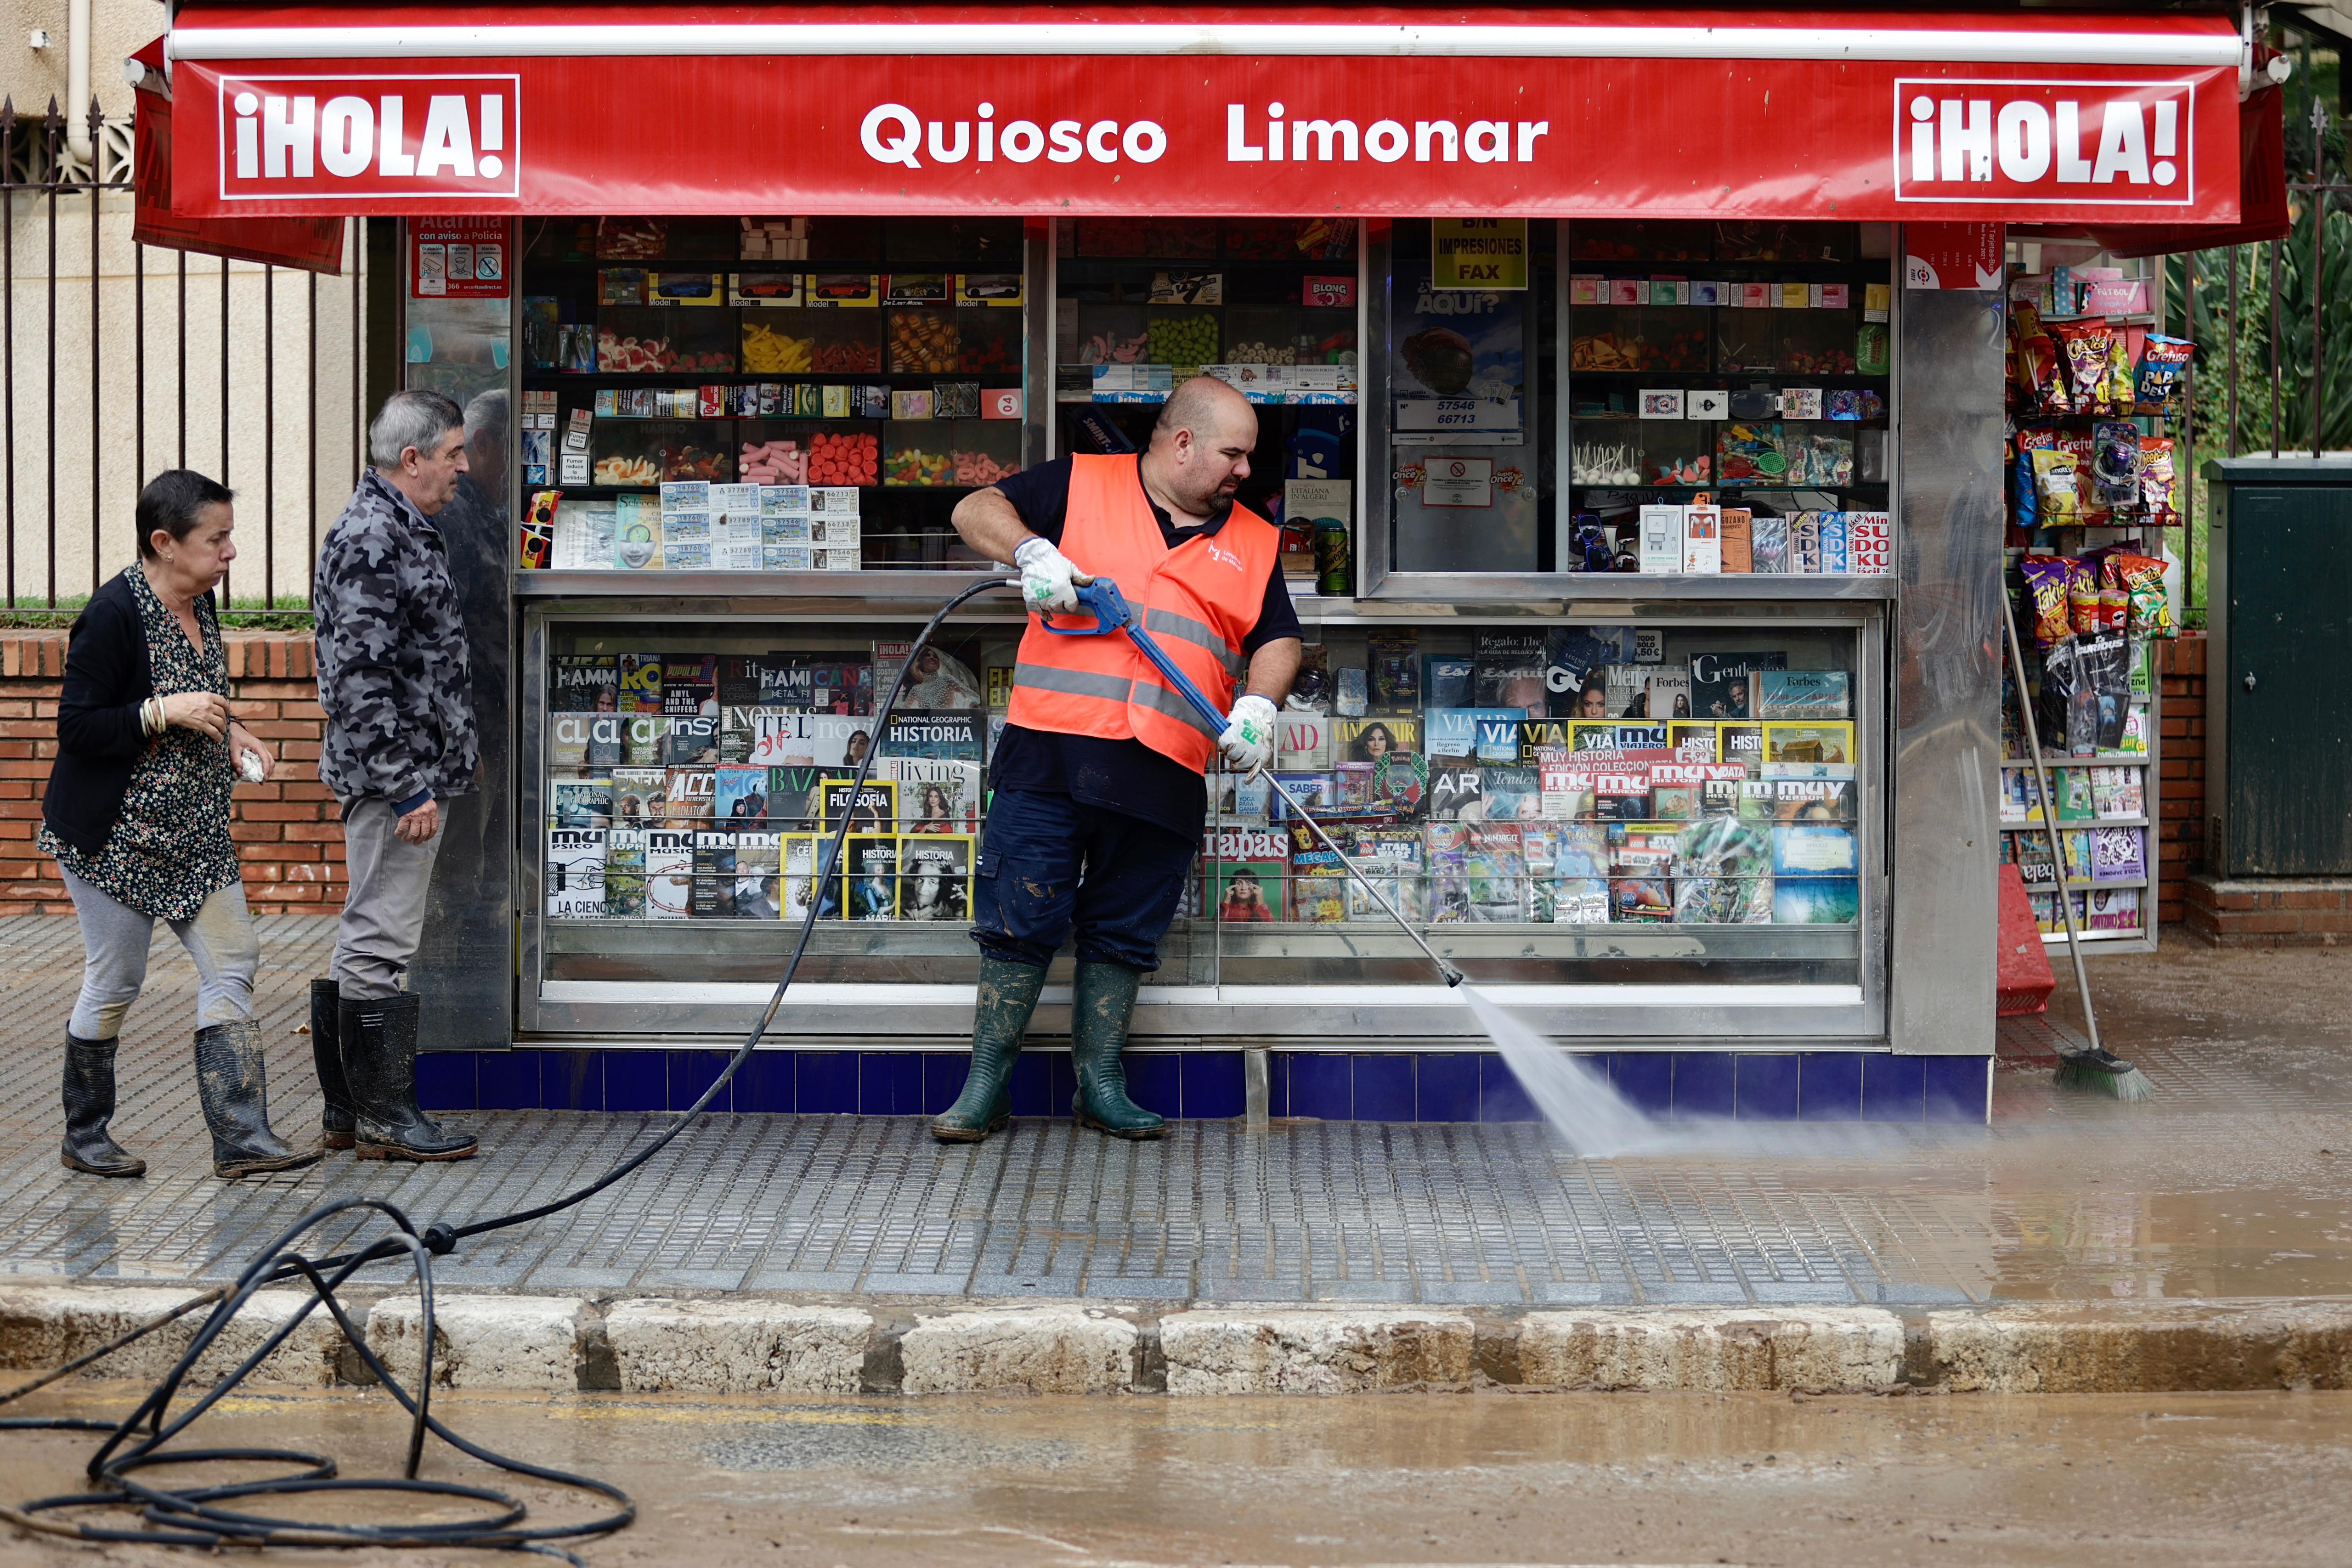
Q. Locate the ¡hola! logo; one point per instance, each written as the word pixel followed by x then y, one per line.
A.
pixel 333 138
pixel 2123 144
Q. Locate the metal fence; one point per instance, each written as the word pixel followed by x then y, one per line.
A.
pixel 158 359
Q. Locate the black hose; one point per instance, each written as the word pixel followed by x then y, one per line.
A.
pixel 195 1516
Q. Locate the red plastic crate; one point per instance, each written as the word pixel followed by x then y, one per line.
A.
pixel 2024 979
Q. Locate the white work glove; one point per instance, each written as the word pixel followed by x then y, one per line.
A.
pixel 1248 739
pixel 1049 579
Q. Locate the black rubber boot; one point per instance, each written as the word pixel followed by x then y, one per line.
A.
pixel 338 1121
pixel 378 1049
pixel 89 1105
pixel 1008 995
pixel 232 1087
pixel 1100 1005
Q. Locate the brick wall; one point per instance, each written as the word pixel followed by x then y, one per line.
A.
pixel 2181 792
pixel 286 829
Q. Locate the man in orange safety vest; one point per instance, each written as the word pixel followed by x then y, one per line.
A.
pixel 1097 794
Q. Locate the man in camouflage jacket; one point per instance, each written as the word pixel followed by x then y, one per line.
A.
pixel 396 685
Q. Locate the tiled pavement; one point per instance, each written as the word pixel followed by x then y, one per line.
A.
pixel 1460 1213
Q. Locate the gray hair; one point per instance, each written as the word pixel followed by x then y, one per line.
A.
pixel 413 418
pixel 485 418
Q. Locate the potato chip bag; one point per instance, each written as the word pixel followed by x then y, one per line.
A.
pixel 2150 608
pixel 2055 491
pixel 2162 364
pixel 2118 396
pixel 2158 489
pixel 2086 352
pixel 2045 579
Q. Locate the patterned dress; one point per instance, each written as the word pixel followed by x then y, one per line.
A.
pixel 169 850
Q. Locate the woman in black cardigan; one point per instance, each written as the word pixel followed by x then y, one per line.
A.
pixel 137 815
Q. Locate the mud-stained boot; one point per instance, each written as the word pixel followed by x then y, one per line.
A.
pixel 89 1105
pixel 1100 1005
pixel 378 1049
pixel 1008 995
pixel 232 1087
pixel 339 1120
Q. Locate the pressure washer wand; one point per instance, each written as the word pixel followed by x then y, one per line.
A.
pixel 1102 600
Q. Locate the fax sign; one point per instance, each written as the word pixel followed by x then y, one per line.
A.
pixel 1478 253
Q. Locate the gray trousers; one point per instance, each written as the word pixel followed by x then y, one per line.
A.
pixel 115 938
pixel 384 916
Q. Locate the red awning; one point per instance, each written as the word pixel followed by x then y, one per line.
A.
pixel 313 242
pixel 547 109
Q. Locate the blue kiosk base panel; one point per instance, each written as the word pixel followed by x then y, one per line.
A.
pixel 1206 1085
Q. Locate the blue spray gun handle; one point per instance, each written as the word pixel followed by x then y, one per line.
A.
pixel 1102 600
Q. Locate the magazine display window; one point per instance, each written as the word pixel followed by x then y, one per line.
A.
pixel 1625 789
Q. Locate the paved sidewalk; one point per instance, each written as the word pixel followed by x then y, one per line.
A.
pixel 2231 1184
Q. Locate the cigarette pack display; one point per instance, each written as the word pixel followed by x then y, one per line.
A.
pixel 575 874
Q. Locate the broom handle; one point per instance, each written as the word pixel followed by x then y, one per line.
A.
pixel 2048 813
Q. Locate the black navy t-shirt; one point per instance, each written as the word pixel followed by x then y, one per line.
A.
pixel 1124 775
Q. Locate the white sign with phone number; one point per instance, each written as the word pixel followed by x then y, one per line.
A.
pixel 1454 414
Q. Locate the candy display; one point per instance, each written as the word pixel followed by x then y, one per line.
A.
pixel 913 465
pixel 768 350
pixel 780 462
pixel 1181 337
pixel 979 468
pixel 626 471
pixel 844 459
pixel 616 354
pixel 922 341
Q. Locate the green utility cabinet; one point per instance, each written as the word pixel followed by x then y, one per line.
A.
pixel 2278 750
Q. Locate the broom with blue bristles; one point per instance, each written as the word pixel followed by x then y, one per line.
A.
pixel 2097 1070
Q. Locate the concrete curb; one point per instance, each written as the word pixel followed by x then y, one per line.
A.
pixel 2144 1347
pixel 1718 1348
pixel 753 1343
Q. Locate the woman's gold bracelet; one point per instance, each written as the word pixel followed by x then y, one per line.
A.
pixel 151 716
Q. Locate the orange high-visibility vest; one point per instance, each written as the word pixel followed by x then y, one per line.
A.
pixel 1198 601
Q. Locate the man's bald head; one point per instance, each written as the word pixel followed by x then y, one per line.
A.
pixel 1200 446
pixel 1207 407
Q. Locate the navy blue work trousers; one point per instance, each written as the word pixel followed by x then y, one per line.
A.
pixel 1050 865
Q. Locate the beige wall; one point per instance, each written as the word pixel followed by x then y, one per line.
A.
pixel 248 459
pixel 31 77
pixel 111 357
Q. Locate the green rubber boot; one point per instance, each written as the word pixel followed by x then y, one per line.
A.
pixel 1008 995
pixel 1100 1005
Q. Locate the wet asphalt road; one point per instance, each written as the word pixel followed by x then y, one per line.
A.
pixel 1489 1478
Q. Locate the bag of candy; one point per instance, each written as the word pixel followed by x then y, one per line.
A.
pixel 2161 365
pixel 2141 578
pixel 2158 482
pixel 2056 494
pixel 2045 581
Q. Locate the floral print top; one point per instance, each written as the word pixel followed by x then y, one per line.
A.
pixel 169 850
